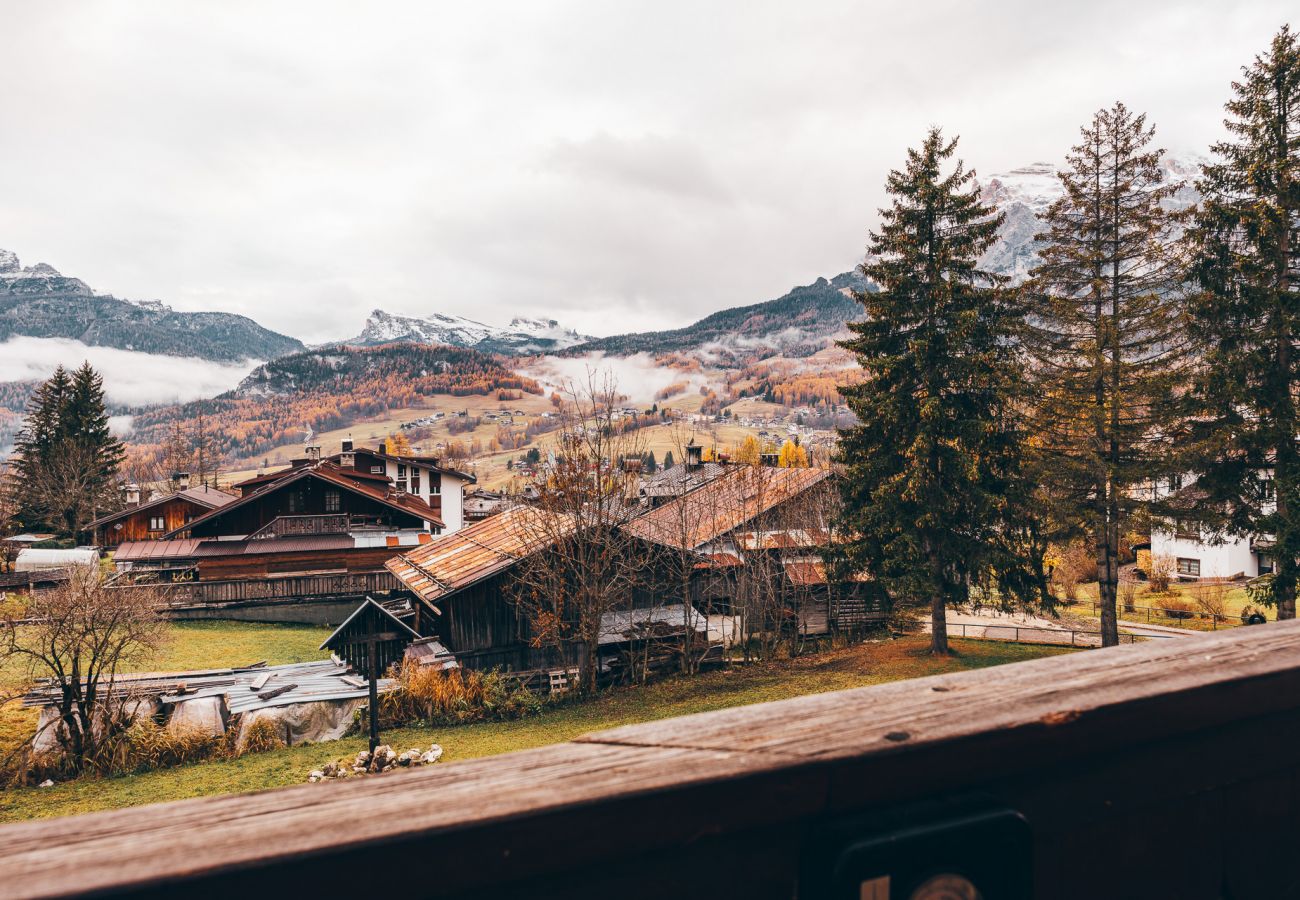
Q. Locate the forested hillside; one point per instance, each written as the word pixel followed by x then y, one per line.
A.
pixel 328 388
pixel 797 324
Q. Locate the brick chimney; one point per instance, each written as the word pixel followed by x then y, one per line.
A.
pixel 313 454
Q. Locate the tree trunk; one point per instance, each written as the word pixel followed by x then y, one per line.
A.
pixel 938 625
pixel 938 608
pixel 1108 577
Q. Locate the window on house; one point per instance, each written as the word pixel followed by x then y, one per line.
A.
pixel 1267 490
pixel 1186 530
pixel 1265 564
pixel 295 502
pixel 376 470
pixel 157 523
pixel 401 470
pixel 332 501
pixel 435 483
pixel 1189 566
pixel 415 480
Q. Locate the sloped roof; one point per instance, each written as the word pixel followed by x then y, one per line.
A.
pixel 204 496
pixel 803 573
pixel 332 474
pixel 722 505
pixel 783 539
pixel 456 561
pixel 680 479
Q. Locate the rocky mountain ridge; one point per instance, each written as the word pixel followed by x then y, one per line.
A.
pixel 39 301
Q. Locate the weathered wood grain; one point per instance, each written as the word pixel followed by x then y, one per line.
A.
pixel 1154 748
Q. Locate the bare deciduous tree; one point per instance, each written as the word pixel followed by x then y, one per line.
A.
pixel 79 636
pixel 590 566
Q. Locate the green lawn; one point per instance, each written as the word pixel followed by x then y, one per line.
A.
pixel 860 665
pixel 1148 605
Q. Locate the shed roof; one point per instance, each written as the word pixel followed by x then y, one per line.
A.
pixel 722 505
pixel 628 624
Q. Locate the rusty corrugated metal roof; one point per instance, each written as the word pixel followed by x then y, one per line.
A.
pixel 722 505
pixel 455 561
pixel 783 539
pixel 137 551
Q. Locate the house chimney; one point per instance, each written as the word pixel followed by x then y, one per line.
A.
pixel 383 446
pixel 313 454
pixel 133 495
pixel 347 445
pixel 347 459
pixel 180 481
pixel 694 457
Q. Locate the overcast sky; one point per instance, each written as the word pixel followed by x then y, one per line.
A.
pixel 616 165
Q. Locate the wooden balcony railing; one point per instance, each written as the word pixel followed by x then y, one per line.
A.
pixel 293 526
pixel 1165 769
pixel 288 587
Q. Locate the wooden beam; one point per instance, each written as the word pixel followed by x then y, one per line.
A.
pixel 1122 748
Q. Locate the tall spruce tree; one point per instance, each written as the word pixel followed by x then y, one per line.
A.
pixel 66 458
pixel 927 468
pixel 93 448
pixel 34 445
pixel 1245 243
pixel 1108 336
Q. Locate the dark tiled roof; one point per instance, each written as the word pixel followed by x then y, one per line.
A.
pixel 344 478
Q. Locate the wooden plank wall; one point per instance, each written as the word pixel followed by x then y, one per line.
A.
pixel 1164 769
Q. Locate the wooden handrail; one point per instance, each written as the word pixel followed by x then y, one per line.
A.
pixel 1116 759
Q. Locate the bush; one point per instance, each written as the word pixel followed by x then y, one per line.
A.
pixel 260 736
pixel 1211 599
pixel 1176 608
pixel 1161 574
pixel 146 745
pixel 454 697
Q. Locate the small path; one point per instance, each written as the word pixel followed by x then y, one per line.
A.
pixel 995 625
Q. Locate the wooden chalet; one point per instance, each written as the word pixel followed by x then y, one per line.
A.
pixel 314 532
pixel 153 519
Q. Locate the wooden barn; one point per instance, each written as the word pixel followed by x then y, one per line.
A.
pixel 727 545
pixel 153 519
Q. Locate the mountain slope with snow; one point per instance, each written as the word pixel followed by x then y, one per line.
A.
pixel 40 302
pixel 523 336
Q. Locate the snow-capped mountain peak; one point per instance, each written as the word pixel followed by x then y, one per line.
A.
pixel 522 336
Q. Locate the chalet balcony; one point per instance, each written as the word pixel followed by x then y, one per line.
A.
pixel 298 526
pixel 1157 770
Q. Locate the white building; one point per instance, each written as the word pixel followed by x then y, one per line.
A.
pixel 1197 553
pixel 424 477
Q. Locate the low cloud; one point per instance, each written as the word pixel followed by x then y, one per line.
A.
pixel 130 378
pixel 638 377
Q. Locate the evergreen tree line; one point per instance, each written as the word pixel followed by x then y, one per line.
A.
pixel 996 420
pixel 66 459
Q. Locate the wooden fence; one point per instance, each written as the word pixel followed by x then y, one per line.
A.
pixel 1078 776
